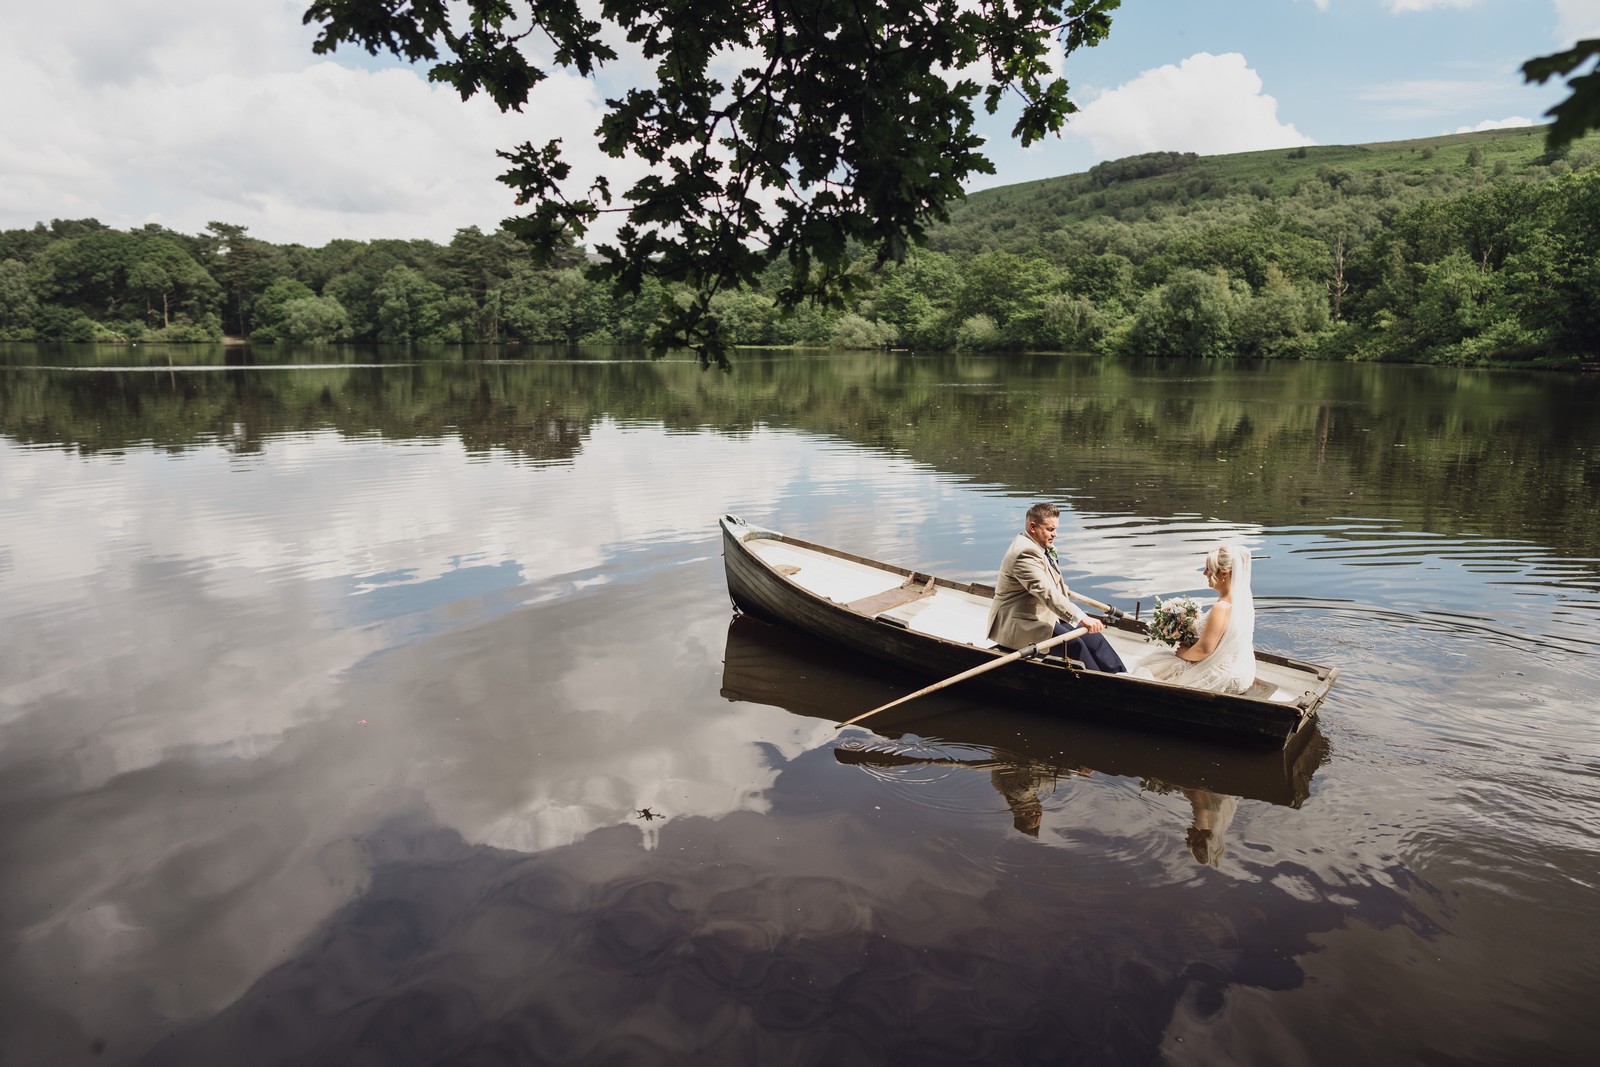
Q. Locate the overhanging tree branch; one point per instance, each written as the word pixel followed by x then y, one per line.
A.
pixel 1580 111
pixel 849 121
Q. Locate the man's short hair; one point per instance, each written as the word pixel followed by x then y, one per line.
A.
pixel 1042 511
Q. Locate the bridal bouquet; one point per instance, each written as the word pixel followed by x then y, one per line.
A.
pixel 1175 621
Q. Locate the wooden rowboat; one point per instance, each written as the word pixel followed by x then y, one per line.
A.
pixel 934 628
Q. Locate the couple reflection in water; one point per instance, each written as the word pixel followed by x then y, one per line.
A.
pixel 1210 815
pixel 1026 785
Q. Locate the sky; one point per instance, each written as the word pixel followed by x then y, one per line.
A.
pixel 181 112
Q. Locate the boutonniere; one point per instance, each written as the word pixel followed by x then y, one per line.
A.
pixel 1050 550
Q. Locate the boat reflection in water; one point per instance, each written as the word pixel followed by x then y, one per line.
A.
pixel 1027 756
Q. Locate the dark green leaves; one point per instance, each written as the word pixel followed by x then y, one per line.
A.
pixel 401 27
pixel 1580 111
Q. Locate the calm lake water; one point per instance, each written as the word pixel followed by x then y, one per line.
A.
pixel 377 707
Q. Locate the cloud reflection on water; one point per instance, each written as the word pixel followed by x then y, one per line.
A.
pixel 181 710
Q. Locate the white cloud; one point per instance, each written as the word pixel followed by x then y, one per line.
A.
pixel 1426 5
pixel 1511 123
pixel 1577 20
pixel 1208 104
pixel 173 112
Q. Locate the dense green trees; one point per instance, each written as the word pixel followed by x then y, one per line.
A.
pixel 1504 272
pixel 1446 257
pixel 314 320
pixel 1190 314
pixel 1554 279
pixel 19 308
pixel 94 283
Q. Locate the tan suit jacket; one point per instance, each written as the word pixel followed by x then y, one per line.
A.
pixel 1030 597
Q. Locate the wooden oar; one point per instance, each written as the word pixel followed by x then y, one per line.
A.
pixel 1110 611
pixel 1011 657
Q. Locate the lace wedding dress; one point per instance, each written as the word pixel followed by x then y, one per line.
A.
pixel 1231 667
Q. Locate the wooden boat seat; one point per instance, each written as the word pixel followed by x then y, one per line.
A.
pixel 889 599
pixel 1281 685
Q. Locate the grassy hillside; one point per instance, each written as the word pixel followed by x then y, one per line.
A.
pixel 1303 182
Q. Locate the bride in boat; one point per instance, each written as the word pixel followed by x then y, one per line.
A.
pixel 1222 659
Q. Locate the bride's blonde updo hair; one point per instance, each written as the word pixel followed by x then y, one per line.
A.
pixel 1221 560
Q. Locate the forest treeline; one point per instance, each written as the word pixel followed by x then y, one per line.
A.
pixel 1461 249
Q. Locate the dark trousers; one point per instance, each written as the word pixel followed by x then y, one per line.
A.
pixel 1094 651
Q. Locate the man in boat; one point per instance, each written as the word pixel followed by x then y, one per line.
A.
pixel 1031 600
